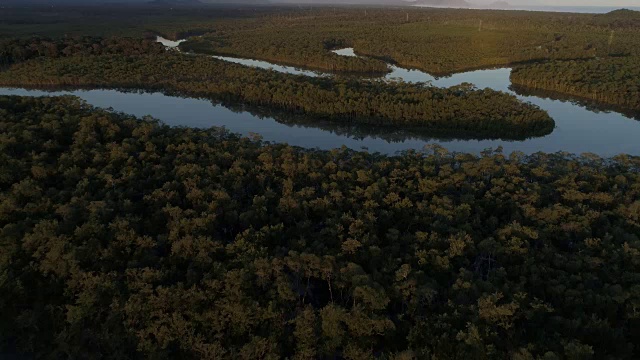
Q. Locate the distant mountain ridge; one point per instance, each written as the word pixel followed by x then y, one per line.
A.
pixel 622 13
pixel 445 3
pixel 499 5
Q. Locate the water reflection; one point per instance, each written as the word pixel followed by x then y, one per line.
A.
pixel 580 128
pixel 269 66
pixel 169 43
pixel 606 134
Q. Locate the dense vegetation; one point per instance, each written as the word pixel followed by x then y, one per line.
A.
pixel 107 20
pixel 438 41
pixel 613 81
pixel 590 56
pixel 460 109
pixel 127 239
pixel 314 55
pixel 13 51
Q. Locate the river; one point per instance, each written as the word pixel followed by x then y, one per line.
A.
pixel 579 129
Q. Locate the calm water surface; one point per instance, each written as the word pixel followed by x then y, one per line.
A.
pixel 578 129
pixel 267 65
pixel 169 43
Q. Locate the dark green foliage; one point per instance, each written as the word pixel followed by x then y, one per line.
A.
pixel 585 55
pixel 439 41
pixel 619 19
pixel 122 238
pixel 316 56
pixel 107 20
pixel 18 50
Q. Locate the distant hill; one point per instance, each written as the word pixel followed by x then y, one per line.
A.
pixel 622 13
pixel 499 5
pixel 619 19
pixel 445 3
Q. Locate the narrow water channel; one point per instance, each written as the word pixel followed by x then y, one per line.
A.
pixel 579 129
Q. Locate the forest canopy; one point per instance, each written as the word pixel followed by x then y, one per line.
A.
pixel 124 238
pixel 550 51
pixel 614 81
pixel 439 41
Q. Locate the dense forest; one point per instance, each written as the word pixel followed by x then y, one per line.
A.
pixel 310 54
pixel 114 20
pixel 552 51
pixel 613 81
pixel 461 109
pixel 124 238
pixel 439 41
pixel 13 51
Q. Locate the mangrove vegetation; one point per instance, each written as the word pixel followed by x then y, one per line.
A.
pixel 123 238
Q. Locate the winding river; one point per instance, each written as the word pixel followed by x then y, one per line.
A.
pixel 579 128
